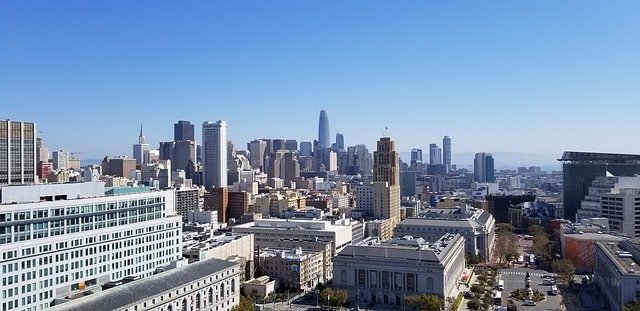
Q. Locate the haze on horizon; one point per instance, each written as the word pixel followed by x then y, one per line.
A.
pixel 537 77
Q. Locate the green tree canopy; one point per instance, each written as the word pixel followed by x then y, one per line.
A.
pixel 423 302
pixel 565 270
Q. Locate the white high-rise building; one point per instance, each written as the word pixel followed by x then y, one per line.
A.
pixel 140 149
pixel 58 240
pixel 214 154
pixel 60 160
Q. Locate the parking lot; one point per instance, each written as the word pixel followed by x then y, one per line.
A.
pixel 515 278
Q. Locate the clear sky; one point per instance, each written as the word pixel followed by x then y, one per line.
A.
pixel 536 76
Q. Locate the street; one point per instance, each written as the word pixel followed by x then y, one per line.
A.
pixel 514 278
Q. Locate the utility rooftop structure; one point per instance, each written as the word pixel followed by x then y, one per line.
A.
pixel 579 169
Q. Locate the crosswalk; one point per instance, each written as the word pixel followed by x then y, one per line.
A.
pixel 525 273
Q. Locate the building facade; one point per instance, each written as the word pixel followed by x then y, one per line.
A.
pixel 475 225
pixel 210 285
pixel 80 239
pixel 214 154
pixel 616 271
pixel 17 153
pixel 579 169
pixel 386 272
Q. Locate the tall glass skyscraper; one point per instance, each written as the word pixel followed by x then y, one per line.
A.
pixel 214 154
pixel 446 152
pixel 323 130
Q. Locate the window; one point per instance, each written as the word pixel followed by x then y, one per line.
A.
pixel 429 283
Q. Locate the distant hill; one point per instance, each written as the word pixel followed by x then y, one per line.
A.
pixel 503 160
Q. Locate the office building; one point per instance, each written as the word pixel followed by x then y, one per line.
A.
pixel 17 153
pixel 184 131
pixel 291 145
pixel 579 169
pixel 386 272
pixel 475 225
pixel 435 154
pixel 577 244
pixel 60 239
pixel 182 155
pixel 118 166
pixel 339 144
pixel 257 150
pixel 293 268
pixel 360 160
pixel 42 152
pixel 446 152
pixel 268 231
pixel 324 141
pixel 408 183
pixel 386 181
pixel 60 159
pixel 416 158
pixel 616 271
pixel 211 284
pixel 187 199
pixel 140 148
pixel 214 154
pixel 483 168
pixel 306 148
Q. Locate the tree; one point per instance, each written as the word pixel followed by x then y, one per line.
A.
pixel 472 259
pixel 477 289
pixel 473 304
pixel 506 245
pixel 565 270
pixel 632 305
pixel 246 304
pixel 423 302
pixel 334 298
pixel 504 226
pixel 542 246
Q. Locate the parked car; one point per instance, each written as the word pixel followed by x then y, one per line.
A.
pixel 548 282
pixel 468 295
pixel 529 303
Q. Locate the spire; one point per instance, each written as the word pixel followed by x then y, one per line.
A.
pixel 141 139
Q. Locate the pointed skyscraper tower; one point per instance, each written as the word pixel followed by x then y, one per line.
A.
pixel 140 149
pixel 324 141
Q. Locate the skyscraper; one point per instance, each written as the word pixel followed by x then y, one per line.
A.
pixel 483 168
pixel 446 152
pixel 183 131
pixel 60 160
pixel 323 130
pixel 257 150
pixel 386 162
pixel 214 154
pixel 17 152
pixel 306 148
pixel 579 169
pixel 339 145
pixel 416 155
pixel 435 154
pixel 140 148
pixel 386 181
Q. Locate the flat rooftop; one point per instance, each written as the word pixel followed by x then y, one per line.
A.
pixel 624 260
pixel 130 294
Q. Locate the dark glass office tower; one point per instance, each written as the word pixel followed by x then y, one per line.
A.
pixel 579 169
pixel 183 131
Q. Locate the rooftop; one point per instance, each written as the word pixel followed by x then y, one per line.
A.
pixel 623 259
pixel 594 157
pixel 130 294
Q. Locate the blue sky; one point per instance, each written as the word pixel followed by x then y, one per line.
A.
pixel 537 76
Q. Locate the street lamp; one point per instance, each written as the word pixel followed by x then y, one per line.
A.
pixel 317 296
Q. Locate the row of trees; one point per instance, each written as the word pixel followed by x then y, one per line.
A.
pixel 544 248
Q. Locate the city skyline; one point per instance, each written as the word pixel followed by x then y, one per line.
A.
pixel 534 78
